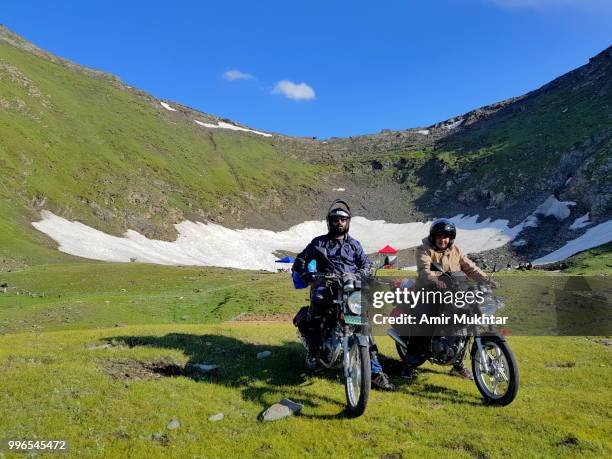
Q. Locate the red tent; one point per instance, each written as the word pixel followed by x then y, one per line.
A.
pixel 387 250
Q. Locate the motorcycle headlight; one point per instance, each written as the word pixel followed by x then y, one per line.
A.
pixel 354 303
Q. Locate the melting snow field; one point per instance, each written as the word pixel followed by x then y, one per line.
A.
pixel 598 235
pixel 209 244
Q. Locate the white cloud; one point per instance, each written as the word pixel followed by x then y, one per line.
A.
pixel 591 5
pixel 232 75
pixel 295 91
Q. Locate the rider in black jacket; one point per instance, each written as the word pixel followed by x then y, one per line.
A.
pixel 346 257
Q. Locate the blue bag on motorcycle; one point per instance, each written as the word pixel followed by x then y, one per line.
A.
pixel 298 282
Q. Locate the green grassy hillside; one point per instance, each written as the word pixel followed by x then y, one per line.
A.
pixel 96 151
pixel 590 262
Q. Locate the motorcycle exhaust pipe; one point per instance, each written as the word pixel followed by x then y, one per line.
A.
pixel 392 332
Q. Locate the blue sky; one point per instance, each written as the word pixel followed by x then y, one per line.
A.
pixel 355 67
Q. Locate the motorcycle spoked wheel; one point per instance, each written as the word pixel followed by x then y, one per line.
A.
pixel 357 385
pixel 500 384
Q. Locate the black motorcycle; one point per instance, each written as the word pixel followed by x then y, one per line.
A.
pixel 344 335
pixel 494 366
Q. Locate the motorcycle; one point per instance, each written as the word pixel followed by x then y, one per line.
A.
pixel 345 341
pixel 494 366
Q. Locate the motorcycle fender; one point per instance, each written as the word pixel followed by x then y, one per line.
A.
pixel 500 337
pixel 477 346
pixel 362 341
pixel 345 356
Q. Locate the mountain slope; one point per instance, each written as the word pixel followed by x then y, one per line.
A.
pixel 547 141
pixel 92 149
pixel 86 146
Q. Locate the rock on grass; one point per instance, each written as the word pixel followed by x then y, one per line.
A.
pixel 281 410
pixel 173 424
pixel 205 367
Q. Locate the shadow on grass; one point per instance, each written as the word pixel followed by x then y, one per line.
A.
pixel 421 389
pixel 441 394
pixel 260 381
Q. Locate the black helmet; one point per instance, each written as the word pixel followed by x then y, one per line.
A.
pixel 336 211
pixel 442 226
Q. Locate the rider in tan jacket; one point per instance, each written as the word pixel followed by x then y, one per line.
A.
pixel 439 248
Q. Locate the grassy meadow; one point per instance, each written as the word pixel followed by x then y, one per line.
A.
pixel 103 355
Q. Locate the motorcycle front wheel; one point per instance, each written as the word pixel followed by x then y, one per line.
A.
pixel 499 385
pixel 357 384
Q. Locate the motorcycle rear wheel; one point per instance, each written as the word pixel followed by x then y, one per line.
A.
pixel 357 385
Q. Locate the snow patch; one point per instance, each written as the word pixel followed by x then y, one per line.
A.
pixel 338 189
pixel 593 237
pixel 167 107
pixel 233 127
pixel 530 222
pixel 552 207
pixel 519 243
pixel 581 222
pixel 210 244
pixel 454 125
pixel 423 131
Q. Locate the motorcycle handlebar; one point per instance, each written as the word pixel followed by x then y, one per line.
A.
pixel 319 276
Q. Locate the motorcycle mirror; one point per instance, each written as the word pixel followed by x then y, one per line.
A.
pixel 436 267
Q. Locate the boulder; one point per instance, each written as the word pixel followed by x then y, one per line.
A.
pixel 281 410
